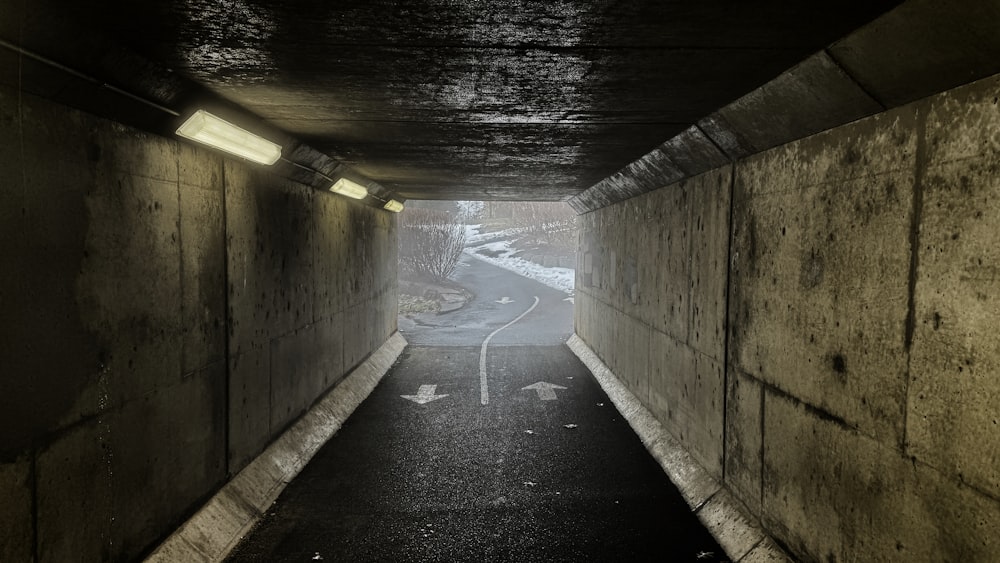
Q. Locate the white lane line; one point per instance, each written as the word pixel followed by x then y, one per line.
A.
pixel 484 389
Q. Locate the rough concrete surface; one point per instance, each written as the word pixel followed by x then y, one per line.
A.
pixel 635 369
pixel 330 275
pixel 921 48
pixel 813 96
pixel 952 414
pixel 642 254
pixel 839 495
pixel 911 216
pixel 330 344
pixel 736 530
pixel 294 385
pixel 269 237
pixel 744 412
pixel 215 529
pixel 119 240
pixel 300 264
pixel 132 252
pixel 668 358
pixel 710 208
pixel 15 512
pixel 185 423
pixel 766 552
pixel 820 270
pixel 73 494
pixel 30 235
pixel 670 302
pixel 694 152
pixel 858 418
pixel 249 430
pixel 203 267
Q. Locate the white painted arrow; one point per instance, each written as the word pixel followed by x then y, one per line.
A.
pixel 546 391
pixel 424 395
pixel 505 300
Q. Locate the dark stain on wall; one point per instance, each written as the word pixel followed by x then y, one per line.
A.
pixel 50 357
pixel 811 273
pixel 839 364
pixel 851 156
pixel 631 285
pixel 745 260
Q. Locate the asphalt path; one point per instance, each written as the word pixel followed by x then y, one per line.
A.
pixel 551 323
pixel 545 470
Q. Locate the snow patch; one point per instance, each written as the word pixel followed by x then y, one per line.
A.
pixel 559 278
pixel 473 236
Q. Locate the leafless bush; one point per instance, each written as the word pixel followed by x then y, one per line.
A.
pixel 430 243
pixel 551 223
pixel 469 211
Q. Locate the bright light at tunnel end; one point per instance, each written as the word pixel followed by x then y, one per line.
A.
pixel 393 205
pixel 349 188
pixel 213 131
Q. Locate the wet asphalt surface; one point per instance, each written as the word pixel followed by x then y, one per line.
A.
pixel 550 324
pixel 517 479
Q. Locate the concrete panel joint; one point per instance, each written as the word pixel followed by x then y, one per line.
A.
pixel 736 530
pixel 215 529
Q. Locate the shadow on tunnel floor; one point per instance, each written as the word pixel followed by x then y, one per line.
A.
pixel 424 471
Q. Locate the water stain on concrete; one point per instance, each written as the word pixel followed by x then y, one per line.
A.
pixel 811 274
pixel 839 364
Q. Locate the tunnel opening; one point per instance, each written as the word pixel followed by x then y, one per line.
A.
pixel 468 268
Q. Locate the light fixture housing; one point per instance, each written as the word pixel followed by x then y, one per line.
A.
pixel 393 205
pixel 349 188
pixel 214 131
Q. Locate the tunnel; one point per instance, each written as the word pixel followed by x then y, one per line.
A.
pixel 786 274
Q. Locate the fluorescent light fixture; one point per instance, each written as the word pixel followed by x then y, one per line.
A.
pixel 393 205
pixel 219 133
pixel 346 187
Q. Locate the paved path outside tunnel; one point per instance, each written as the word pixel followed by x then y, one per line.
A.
pixel 423 471
pixel 551 323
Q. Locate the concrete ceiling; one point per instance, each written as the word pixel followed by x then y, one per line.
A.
pixel 469 99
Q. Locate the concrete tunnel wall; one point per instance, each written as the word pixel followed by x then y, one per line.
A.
pixel 126 401
pixel 817 324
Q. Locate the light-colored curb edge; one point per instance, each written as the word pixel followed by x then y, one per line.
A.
pixel 222 522
pixel 723 515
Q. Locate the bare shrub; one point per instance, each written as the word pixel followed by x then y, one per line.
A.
pixel 469 211
pixel 545 222
pixel 430 243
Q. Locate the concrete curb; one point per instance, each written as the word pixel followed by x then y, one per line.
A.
pixel 222 522
pixel 736 531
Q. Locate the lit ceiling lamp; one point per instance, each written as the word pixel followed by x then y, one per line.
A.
pixel 219 133
pixel 393 205
pixel 348 188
